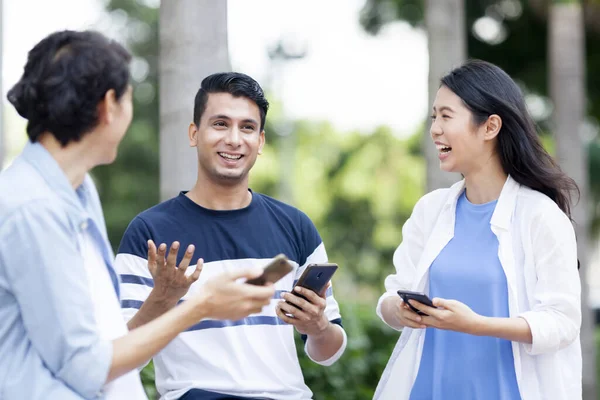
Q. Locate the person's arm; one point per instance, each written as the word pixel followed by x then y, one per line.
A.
pixel 325 340
pixel 555 318
pixel 48 279
pixel 319 322
pixel 456 316
pixel 50 283
pixel 150 289
pixel 405 260
pixel 171 282
pixel 221 297
pixel 513 329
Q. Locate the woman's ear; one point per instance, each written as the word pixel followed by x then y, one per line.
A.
pixel 492 126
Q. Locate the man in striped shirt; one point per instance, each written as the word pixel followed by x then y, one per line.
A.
pixel 221 220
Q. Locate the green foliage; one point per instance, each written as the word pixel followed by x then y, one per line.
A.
pixel 148 377
pixel 130 184
pixel 523 53
pixel 358 190
pixel 356 374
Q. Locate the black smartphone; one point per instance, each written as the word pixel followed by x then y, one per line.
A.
pixel 315 277
pixel 274 271
pixel 422 298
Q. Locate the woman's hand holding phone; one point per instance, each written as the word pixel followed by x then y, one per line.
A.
pixel 405 316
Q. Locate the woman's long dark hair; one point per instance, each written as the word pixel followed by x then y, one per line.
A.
pixel 486 89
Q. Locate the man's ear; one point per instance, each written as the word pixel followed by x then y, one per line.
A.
pixel 193 134
pixel 107 107
pixel 261 142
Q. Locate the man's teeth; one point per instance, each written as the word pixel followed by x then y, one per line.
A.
pixel 230 156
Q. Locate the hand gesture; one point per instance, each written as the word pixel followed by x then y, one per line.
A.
pixel 170 280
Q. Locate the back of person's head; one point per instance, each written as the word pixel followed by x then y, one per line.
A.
pixel 237 85
pixel 486 89
pixel 66 75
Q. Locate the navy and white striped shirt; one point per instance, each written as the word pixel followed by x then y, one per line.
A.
pixel 252 357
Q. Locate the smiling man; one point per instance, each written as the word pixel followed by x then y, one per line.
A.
pixel 231 227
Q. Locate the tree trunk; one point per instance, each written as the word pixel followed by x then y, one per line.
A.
pixel 447 41
pixel 567 88
pixel 193 45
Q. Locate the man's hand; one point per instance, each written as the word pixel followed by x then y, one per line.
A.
pixel 310 319
pixel 170 281
pixel 223 297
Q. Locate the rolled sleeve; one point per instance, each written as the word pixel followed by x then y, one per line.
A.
pixel 555 316
pixel 46 273
pixel 406 258
pixel 378 308
pixel 331 360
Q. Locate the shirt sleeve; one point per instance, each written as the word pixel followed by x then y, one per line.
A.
pixel 131 264
pixel 406 257
pixel 315 253
pixel 555 318
pixel 46 273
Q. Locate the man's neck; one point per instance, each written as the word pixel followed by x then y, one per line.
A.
pixel 71 159
pixel 215 196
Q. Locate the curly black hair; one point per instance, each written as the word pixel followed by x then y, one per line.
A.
pixel 67 74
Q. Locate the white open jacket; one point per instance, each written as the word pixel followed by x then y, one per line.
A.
pixel 538 253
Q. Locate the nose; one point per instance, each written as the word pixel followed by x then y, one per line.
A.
pixel 233 138
pixel 435 129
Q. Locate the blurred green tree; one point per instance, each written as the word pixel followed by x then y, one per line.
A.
pixel 514 35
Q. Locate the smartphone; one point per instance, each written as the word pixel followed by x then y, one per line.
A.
pixel 422 298
pixel 315 277
pixel 274 271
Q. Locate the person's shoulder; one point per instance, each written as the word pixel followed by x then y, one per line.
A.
pixel 280 207
pixel 533 205
pixel 155 218
pixel 22 189
pixel 160 211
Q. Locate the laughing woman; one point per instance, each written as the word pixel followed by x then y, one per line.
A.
pixel 497 254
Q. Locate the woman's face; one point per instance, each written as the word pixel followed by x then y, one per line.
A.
pixel 116 117
pixel 462 146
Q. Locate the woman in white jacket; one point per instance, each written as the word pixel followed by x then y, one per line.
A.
pixel 497 254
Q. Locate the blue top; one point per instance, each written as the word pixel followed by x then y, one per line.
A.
pixel 457 365
pixel 49 343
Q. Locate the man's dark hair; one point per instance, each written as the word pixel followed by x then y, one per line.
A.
pixel 66 75
pixel 237 85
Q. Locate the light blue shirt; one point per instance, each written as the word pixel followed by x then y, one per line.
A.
pixel 49 343
pixel 456 365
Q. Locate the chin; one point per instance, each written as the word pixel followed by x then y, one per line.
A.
pixel 110 158
pixel 447 167
pixel 229 178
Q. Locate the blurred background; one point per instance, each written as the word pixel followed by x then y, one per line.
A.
pixel 350 83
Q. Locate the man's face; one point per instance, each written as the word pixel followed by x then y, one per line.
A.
pixel 228 139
